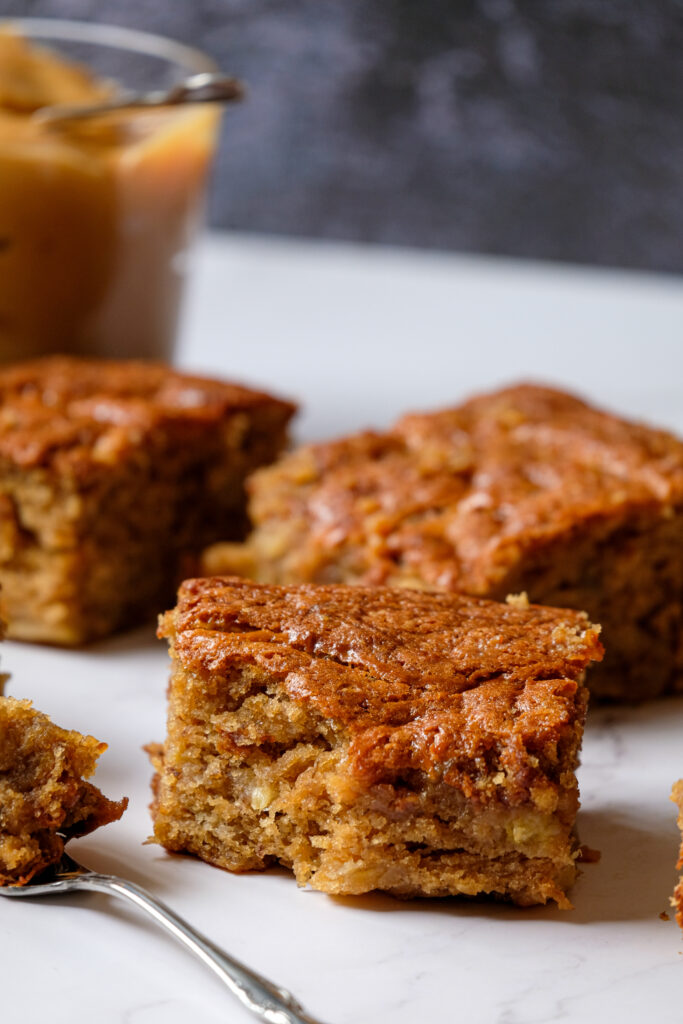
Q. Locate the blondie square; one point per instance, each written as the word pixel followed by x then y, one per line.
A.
pixel 44 798
pixel 375 738
pixel 111 475
pixel 677 899
pixel 525 489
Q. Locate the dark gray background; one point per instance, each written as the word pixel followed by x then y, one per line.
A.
pixel 549 128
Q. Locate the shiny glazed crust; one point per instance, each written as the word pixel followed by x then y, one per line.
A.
pixel 527 489
pixel 375 738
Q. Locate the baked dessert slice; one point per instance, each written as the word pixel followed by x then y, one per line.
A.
pixel 677 898
pixel 44 796
pixel 525 489
pixel 112 474
pixel 374 738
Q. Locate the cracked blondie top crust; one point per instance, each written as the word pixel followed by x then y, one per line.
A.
pixel 527 488
pixel 112 476
pixel 677 898
pixel 424 744
pixel 44 796
pixel 76 416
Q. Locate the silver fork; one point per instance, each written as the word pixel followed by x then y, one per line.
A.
pixel 266 1001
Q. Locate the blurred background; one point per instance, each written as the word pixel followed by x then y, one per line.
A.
pixel 533 129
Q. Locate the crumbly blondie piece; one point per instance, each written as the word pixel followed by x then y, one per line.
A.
pixel 677 898
pixel 44 798
pixel 525 489
pixel 374 738
pixel 111 476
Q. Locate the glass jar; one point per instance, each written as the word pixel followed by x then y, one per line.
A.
pixel 96 217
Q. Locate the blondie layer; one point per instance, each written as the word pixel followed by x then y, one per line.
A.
pixel 111 475
pixel 44 798
pixel 526 489
pixel 677 899
pixel 372 738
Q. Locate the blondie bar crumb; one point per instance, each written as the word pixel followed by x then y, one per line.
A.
pixel 525 489
pixel 112 476
pixel 375 738
pixel 44 796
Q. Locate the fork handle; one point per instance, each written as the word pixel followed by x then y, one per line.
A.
pixel 266 1001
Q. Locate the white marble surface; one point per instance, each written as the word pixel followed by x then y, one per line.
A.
pixel 359 336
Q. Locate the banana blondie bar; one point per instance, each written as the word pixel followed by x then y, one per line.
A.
pixel 112 474
pixel 375 738
pixel 44 796
pixel 677 899
pixel 525 489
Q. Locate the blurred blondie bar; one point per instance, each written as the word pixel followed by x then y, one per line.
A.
pixel 112 474
pixel 524 489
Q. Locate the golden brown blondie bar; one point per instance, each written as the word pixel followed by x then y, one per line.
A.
pixel 44 798
pixel 677 898
pixel 375 738
pixel 111 474
pixel 523 489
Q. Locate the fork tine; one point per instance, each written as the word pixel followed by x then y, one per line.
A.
pixel 53 879
pixel 70 867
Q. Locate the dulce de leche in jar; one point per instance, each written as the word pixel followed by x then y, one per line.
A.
pixel 95 216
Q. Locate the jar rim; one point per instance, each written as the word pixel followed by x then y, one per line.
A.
pixel 194 61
